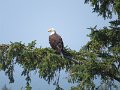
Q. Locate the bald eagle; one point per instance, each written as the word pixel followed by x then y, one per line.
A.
pixel 56 41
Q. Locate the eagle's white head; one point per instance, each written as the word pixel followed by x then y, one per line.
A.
pixel 52 31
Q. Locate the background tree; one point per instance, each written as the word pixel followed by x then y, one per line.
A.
pixel 102 52
pixel 100 57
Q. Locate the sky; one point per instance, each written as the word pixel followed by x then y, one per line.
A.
pixel 28 20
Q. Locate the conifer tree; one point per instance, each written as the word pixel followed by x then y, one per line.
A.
pixel 100 57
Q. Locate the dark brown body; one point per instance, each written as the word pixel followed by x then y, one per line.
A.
pixel 56 43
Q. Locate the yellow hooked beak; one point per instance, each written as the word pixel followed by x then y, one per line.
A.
pixel 49 30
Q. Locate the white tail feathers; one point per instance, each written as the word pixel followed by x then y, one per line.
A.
pixel 62 55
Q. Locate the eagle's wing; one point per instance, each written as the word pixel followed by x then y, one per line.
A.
pixel 56 42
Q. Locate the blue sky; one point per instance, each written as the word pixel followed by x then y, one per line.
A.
pixel 27 20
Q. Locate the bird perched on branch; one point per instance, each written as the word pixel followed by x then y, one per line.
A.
pixel 56 41
pixel 57 44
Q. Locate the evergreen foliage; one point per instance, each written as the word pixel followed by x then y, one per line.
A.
pixel 100 57
pixel 105 8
